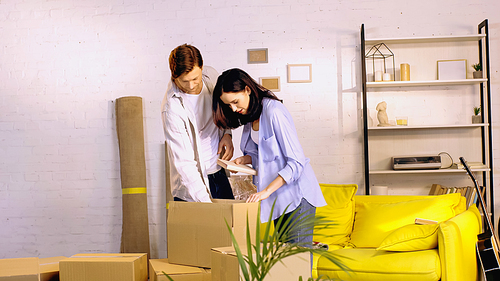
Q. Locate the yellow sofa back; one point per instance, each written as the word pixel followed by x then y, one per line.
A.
pixel 377 216
pixel 364 221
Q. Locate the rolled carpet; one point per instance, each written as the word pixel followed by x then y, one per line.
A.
pixel 130 130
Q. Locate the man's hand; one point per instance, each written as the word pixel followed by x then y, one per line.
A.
pixel 227 143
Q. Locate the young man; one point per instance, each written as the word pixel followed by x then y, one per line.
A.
pixel 194 142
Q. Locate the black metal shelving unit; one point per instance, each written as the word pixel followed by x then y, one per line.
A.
pixel 485 103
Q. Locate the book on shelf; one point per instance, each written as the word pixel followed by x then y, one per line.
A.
pixel 231 166
pixel 469 192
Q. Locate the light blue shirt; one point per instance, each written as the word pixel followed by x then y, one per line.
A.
pixel 279 152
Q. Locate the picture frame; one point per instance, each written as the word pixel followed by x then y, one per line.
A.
pixel 257 56
pixel 452 69
pixel 271 83
pixel 299 73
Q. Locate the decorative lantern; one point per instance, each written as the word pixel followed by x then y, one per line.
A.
pixel 381 52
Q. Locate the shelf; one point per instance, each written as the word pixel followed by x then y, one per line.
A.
pixel 424 83
pixel 432 39
pixel 428 127
pixel 457 95
pixel 383 172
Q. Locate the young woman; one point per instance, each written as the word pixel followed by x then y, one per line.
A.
pixel 269 142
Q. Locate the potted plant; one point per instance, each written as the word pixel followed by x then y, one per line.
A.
pixel 478 73
pixel 262 255
pixel 476 118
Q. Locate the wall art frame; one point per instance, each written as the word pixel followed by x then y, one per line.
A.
pixel 299 73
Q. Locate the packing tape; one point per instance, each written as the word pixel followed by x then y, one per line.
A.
pixel 134 190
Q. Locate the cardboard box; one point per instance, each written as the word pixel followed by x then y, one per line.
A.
pixel 104 267
pixel 194 228
pixel 23 269
pixel 225 266
pixel 49 268
pixel 176 272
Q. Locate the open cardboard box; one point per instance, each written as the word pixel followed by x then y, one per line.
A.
pixel 25 269
pixel 176 272
pixel 104 267
pixel 225 266
pixel 194 228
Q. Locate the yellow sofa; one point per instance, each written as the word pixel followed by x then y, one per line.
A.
pixel 377 239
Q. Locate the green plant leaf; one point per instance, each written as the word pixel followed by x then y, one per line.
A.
pixel 275 245
pixel 169 278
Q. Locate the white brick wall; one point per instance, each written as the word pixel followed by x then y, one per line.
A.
pixel 63 64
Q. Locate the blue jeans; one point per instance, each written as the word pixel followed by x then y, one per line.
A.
pixel 220 188
pixel 300 235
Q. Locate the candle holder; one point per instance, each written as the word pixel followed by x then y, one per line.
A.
pixel 377 53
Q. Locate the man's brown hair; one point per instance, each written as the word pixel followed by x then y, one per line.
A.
pixel 183 59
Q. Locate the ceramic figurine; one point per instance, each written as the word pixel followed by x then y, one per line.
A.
pixel 383 120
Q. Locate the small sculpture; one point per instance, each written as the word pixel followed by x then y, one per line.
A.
pixel 383 120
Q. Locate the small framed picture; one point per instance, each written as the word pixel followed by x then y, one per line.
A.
pixel 299 73
pixel 271 83
pixel 257 56
pixel 452 69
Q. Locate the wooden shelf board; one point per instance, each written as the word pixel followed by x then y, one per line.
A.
pixel 382 172
pixel 428 127
pixel 431 39
pixel 424 83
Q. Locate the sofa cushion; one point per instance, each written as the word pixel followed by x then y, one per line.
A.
pixel 340 210
pixel 412 237
pixel 370 264
pixel 375 220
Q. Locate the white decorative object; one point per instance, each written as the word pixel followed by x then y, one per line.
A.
pixel 378 76
pixel 383 120
pixel 452 69
pixel 379 190
pixel 387 77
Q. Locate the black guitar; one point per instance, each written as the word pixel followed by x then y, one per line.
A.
pixel 487 244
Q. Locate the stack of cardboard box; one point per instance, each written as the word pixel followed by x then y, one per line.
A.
pixel 194 229
pixel 200 246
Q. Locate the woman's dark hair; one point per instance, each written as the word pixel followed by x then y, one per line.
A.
pixel 183 59
pixel 232 81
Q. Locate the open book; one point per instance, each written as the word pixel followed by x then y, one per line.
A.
pixel 236 167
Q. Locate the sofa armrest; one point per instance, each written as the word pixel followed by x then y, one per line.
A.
pixel 457 239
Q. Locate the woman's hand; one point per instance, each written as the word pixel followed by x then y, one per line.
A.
pixel 259 196
pixel 264 194
pixel 247 159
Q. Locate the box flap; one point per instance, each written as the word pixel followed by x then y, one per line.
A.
pixel 50 264
pixel 100 257
pixel 27 267
pixel 240 214
pixel 160 265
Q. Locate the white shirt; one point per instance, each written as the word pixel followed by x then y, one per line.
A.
pixel 188 174
pixel 201 107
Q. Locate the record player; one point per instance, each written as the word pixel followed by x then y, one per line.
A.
pixel 416 162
